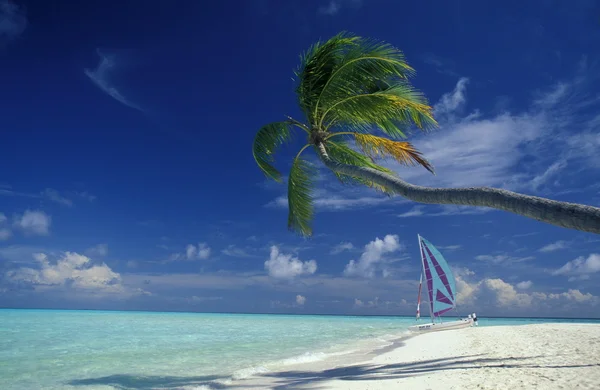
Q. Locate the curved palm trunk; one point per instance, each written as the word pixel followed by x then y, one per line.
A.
pixel 564 214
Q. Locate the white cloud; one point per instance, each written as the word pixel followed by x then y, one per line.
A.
pixel 358 302
pixel 98 250
pixel 73 271
pixel 495 292
pixel 580 268
pixel 558 245
pixel 442 210
pixel 3 218
pixel 234 251
pixel 452 101
pixel 503 259
pixel 55 196
pixel 415 211
pixel 450 247
pixel 192 252
pixel 34 222
pixel 342 246
pixel 479 150
pixel 202 251
pixel 372 255
pixel 12 20
pixel 326 200
pixel 524 285
pixel 101 77
pixel 282 266
pixel 552 171
pixel 300 300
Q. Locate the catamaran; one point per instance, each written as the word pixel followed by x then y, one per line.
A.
pixel 441 290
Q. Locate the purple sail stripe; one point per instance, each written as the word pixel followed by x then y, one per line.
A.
pixel 428 277
pixel 440 297
pixel 440 271
pixel 439 313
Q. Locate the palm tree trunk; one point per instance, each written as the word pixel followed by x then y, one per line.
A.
pixel 564 214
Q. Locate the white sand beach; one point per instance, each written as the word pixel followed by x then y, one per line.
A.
pixel 540 356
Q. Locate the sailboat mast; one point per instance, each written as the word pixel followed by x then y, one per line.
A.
pixel 423 272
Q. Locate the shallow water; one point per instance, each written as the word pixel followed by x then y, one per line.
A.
pixel 53 349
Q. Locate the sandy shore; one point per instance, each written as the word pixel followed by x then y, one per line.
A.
pixel 541 356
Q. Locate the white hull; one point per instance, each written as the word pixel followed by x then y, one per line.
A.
pixel 423 328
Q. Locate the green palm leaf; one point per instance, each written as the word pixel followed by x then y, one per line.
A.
pixel 316 67
pixel 267 140
pixel 364 64
pixel 342 153
pixel 390 109
pixel 300 201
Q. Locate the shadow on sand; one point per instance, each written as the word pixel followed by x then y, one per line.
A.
pixel 311 379
pixel 314 379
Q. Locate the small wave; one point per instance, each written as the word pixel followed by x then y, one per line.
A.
pixel 307 357
pixel 248 372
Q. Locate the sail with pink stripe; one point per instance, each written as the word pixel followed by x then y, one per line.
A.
pixel 441 287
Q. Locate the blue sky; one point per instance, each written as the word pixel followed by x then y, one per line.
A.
pixel 128 180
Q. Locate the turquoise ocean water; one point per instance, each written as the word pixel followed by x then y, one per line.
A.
pixel 54 349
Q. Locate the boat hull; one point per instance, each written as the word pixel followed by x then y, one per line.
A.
pixel 432 327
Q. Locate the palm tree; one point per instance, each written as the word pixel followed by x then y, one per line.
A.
pixel 349 86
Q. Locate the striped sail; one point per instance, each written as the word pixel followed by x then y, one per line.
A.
pixel 440 281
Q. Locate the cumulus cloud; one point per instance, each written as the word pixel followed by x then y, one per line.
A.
pixel 202 251
pixel 372 255
pixel 580 268
pixel 496 293
pixel 341 247
pixel 300 300
pixel 72 271
pixel 524 285
pixel 13 21
pixel 192 252
pixel 101 78
pixel 33 222
pixel 555 246
pixel 286 266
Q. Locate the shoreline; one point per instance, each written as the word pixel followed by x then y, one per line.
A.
pixel 545 356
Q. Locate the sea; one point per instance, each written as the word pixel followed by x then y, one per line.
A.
pixel 70 349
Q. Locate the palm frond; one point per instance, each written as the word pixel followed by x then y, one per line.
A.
pixel 403 152
pixel 390 110
pixel 300 201
pixel 342 153
pixel 316 66
pixel 267 139
pixel 367 63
